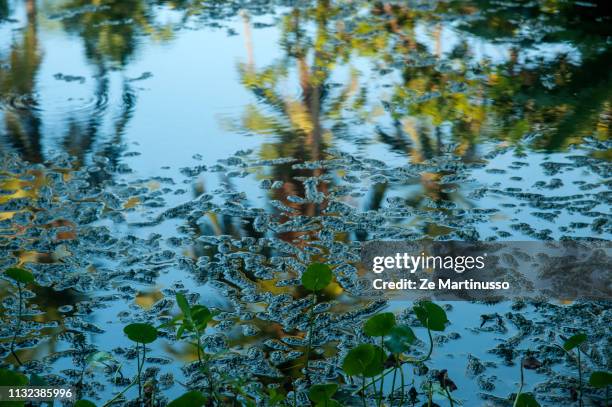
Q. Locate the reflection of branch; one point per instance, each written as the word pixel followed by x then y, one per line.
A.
pixel 395 27
pixel 246 21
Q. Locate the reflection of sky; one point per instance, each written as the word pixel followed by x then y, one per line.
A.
pixel 196 84
pixel 194 79
pixel 497 53
pixel 196 87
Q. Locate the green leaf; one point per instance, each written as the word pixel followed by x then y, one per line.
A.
pixel 377 364
pixel 20 275
pixel 357 359
pixel 189 399
pixel 13 379
pixel 84 403
pixel 600 379
pixel 379 325
pixel 431 315
pixel 574 341
pixel 400 339
pixel 526 400
pixel 322 392
pixel 329 403
pixel 201 315
pixel 275 397
pixel 142 333
pixel 316 277
pixel 10 378
pixel 179 331
pixel 97 359
pixel 183 304
pixel 36 380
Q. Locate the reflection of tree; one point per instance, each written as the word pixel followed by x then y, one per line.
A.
pixel 17 88
pixel 564 99
pixel 112 29
pixel 316 40
pixel 4 10
pixel 299 120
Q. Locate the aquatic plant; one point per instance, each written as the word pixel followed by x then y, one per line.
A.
pixel 398 341
pixel 379 326
pixel 321 395
pixel 602 380
pixel 84 403
pixel 22 278
pixel 141 334
pixel 190 399
pixel 193 321
pixel 526 399
pixel 316 277
pixel 368 361
pixel 571 343
pixel 364 361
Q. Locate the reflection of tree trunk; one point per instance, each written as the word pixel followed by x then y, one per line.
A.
pixel 312 102
pixel 248 35
pixel 438 37
pixel 31 10
pixel 23 125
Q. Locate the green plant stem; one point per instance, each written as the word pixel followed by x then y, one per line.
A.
pixel 520 387
pixel 401 369
pixel 207 372
pixel 580 379
pixel 140 364
pixel 310 329
pixel 363 386
pixel 431 346
pixel 410 360
pixel 199 345
pixel 429 395
pixel 396 356
pixel 450 398
pixel 382 381
pixel 18 329
pixel 111 401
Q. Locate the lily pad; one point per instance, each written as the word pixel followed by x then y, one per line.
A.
pixel 36 380
pixel 526 400
pixel 20 275
pixel 400 339
pixel 316 277
pixel 377 364
pixel 322 392
pixel 10 378
pixel 431 315
pixel 600 379
pixel 380 324
pixel 358 358
pixel 189 399
pixel 139 332
pixel 84 403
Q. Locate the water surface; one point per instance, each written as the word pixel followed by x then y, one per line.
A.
pixel 218 147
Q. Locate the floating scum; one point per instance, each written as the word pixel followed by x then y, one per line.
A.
pixel 326 352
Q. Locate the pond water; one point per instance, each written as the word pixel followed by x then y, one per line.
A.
pixel 217 148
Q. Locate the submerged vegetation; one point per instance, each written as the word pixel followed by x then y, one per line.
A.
pixel 163 247
pixel 387 352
